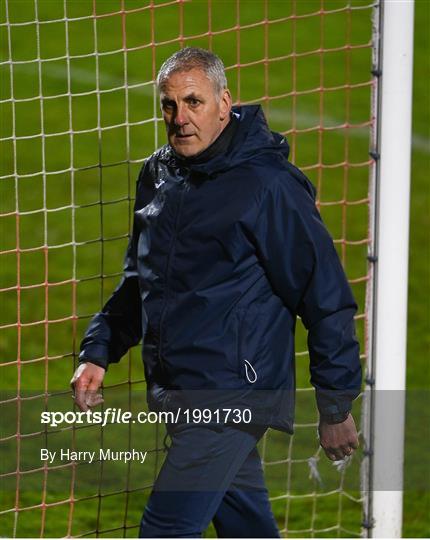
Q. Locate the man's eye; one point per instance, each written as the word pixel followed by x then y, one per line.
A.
pixel 194 102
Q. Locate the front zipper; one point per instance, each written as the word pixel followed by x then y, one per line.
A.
pixel 169 260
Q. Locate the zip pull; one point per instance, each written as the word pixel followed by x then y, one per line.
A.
pixel 249 369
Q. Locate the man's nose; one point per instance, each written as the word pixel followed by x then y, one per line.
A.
pixel 181 117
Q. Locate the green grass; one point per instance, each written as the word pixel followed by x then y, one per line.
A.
pixel 416 505
pixel 106 164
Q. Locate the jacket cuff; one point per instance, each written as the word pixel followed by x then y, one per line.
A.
pixel 93 355
pixel 334 405
pixel 334 418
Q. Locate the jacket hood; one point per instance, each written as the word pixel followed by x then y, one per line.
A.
pixel 252 138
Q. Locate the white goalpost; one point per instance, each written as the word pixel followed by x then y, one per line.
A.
pixel 386 377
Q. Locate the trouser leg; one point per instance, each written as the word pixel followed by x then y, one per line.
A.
pixel 245 510
pixel 199 469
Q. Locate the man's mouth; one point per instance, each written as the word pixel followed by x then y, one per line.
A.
pixel 183 138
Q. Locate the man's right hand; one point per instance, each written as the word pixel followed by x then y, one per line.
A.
pixel 338 440
pixel 85 382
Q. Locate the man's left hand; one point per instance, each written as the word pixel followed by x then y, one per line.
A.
pixel 338 440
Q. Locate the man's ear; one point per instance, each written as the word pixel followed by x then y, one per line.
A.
pixel 225 104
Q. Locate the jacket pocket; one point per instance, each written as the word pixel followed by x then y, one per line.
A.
pixel 248 344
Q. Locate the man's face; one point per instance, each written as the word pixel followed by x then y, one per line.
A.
pixel 193 112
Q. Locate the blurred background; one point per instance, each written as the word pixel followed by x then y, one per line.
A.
pixel 79 114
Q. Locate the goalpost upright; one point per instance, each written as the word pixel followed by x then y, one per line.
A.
pixel 386 376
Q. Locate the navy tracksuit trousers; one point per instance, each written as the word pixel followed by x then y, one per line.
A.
pixel 210 473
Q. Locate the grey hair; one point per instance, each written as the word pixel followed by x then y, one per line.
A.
pixel 194 58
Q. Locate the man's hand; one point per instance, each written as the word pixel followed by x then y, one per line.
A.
pixel 338 440
pixel 85 382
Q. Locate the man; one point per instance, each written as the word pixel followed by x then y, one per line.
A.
pixel 227 249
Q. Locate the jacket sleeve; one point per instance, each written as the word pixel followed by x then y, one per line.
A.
pixel 118 326
pixel 304 269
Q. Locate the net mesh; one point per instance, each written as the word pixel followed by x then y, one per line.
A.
pixel 79 115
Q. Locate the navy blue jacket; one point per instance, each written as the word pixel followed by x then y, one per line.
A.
pixel 223 257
